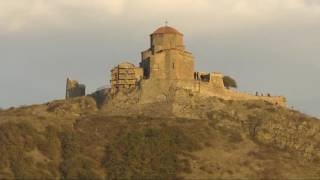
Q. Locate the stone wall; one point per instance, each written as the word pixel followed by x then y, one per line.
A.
pixel 166 41
pixel 168 64
pixel 216 79
pixel 167 58
pixel 210 89
pixel 125 76
pixel 161 90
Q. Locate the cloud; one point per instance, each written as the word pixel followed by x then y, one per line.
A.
pixel 276 40
pixel 17 15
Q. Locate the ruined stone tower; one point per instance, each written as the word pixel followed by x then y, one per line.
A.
pixel 74 89
pixel 167 58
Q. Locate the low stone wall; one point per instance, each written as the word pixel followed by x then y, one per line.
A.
pixel 276 100
pixel 207 89
pixel 163 90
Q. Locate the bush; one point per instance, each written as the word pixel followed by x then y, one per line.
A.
pixel 79 167
pixel 16 140
pixel 75 164
pixel 50 144
pixel 148 154
pixel 229 82
pixel 100 97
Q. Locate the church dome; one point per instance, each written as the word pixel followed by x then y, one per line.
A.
pixel 166 30
pixel 126 65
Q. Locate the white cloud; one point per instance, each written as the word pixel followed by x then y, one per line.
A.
pixel 15 15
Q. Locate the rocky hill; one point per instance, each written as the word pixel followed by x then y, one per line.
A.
pixel 180 138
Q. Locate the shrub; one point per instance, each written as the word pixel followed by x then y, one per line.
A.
pixel 148 154
pixel 100 97
pixel 16 140
pixel 75 164
pixel 50 144
pixel 229 82
pixel 79 167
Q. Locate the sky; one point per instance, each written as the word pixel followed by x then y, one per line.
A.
pixel 270 46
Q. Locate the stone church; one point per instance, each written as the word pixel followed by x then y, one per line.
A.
pixel 167 65
pixel 166 60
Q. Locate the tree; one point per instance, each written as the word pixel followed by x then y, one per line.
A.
pixel 229 82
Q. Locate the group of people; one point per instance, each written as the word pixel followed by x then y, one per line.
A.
pixel 201 76
pixel 261 94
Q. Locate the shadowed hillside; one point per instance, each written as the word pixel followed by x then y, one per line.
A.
pixel 203 139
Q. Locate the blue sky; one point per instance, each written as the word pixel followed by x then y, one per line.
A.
pixel 270 46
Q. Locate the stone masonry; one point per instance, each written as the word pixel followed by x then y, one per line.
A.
pixel 74 89
pixel 125 76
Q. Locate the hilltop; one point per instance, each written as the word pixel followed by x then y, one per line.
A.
pixel 189 138
pixel 160 120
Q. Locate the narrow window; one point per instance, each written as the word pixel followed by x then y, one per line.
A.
pixel 172 65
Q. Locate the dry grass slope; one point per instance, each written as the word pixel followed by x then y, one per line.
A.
pixel 232 140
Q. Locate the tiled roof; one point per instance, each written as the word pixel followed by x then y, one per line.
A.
pixel 166 30
pixel 126 65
